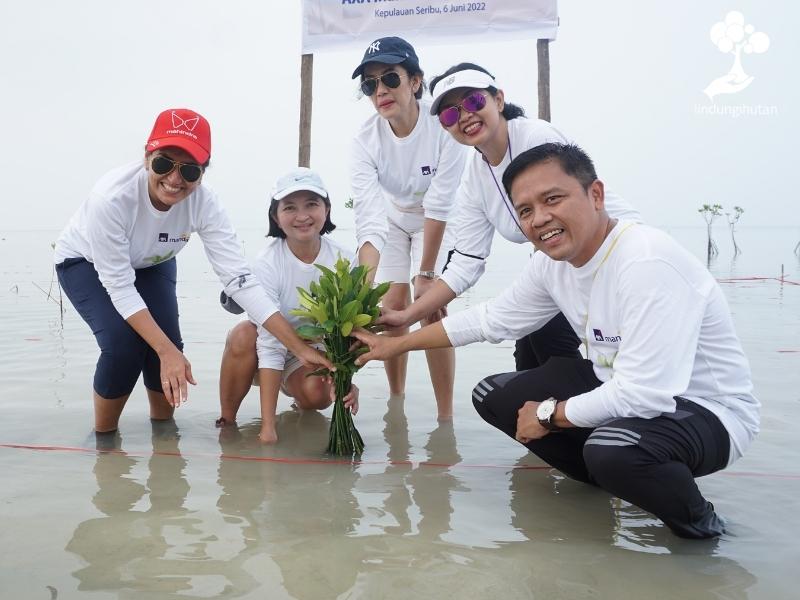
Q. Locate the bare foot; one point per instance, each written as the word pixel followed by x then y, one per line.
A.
pixel 268 435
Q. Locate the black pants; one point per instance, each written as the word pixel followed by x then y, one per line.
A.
pixel 124 355
pixel 556 338
pixel 651 463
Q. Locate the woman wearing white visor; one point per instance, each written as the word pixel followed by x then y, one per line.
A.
pixel 473 110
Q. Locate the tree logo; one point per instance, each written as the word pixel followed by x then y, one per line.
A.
pixel 733 36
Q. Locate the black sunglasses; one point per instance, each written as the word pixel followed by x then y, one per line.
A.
pixel 370 84
pixel 163 165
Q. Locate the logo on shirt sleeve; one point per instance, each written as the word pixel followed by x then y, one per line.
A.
pixel 598 336
pixel 164 237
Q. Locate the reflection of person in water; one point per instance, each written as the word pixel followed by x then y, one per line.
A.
pixel 426 486
pixel 433 483
pixel 160 548
pixel 303 517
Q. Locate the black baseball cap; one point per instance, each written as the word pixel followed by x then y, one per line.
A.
pixel 387 50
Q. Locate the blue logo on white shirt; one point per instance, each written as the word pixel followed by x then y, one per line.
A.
pixel 598 336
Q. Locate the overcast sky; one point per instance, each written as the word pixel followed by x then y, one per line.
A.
pixel 83 81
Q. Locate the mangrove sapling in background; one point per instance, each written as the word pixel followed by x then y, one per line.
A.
pixel 710 212
pixel 341 300
pixel 733 219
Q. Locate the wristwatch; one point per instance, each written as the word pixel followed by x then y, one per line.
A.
pixel 546 413
pixel 427 274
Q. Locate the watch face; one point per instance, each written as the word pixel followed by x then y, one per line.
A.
pixel 545 410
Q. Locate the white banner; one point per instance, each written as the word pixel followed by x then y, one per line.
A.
pixel 355 23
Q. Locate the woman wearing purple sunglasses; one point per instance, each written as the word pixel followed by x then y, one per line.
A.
pixel 404 169
pixel 473 110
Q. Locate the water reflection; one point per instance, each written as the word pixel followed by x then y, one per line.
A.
pixel 147 540
pixel 295 519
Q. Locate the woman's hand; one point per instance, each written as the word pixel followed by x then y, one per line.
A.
pixel 176 371
pixel 393 319
pixel 381 347
pixel 421 286
pixel 312 358
pixel 350 400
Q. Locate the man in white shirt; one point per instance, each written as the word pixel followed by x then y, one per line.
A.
pixel 665 395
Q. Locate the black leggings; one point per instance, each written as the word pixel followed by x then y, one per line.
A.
pixel 651 463
pixel 556 338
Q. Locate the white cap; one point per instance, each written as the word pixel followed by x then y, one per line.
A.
pixel 298 179
pixel 469 78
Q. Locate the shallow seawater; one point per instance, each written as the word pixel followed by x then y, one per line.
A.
pixel 183 510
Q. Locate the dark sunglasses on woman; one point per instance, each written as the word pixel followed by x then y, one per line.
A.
pixel 370 84
pixel 163 165
pixel 473 102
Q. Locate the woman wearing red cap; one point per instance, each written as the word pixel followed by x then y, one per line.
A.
pixel 404 170
pixel 115 261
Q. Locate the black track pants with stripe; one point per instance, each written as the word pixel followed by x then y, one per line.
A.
pixel 651 463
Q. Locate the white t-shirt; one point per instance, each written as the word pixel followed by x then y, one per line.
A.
pixel 282 273
pixel 417 173
pixel 484 207
pixel 118 230
pixel 657 326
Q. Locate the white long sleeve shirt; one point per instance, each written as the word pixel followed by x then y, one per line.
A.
pixel 119 230
pixel 484 207
pixel 655 322
pixel 282 273
pixel 417 173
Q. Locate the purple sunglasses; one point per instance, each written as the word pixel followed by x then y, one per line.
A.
pixel 473 102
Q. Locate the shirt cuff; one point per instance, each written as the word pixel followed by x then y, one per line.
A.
pixel 255 301
pixel 377 241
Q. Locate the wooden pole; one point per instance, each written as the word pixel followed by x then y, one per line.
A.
pixel 543 60
pixel 306 84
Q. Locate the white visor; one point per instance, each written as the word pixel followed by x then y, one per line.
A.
pixel 461 79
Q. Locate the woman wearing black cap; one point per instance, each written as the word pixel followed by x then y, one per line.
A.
pixel 404 169
pixel 472 110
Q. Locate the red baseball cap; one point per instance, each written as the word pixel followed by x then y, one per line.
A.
pixel 182 128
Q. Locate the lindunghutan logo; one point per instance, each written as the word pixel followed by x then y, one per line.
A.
pixel 734 36
pixel 426 170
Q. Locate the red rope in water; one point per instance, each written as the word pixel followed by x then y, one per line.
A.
pixel 322 461
pixel 754 278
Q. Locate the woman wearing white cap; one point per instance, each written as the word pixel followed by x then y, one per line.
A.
pixel 116 262
pixel 299 218
pixel 404 170
pixel 472 109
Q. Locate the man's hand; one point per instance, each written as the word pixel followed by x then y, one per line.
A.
pixel 528 426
